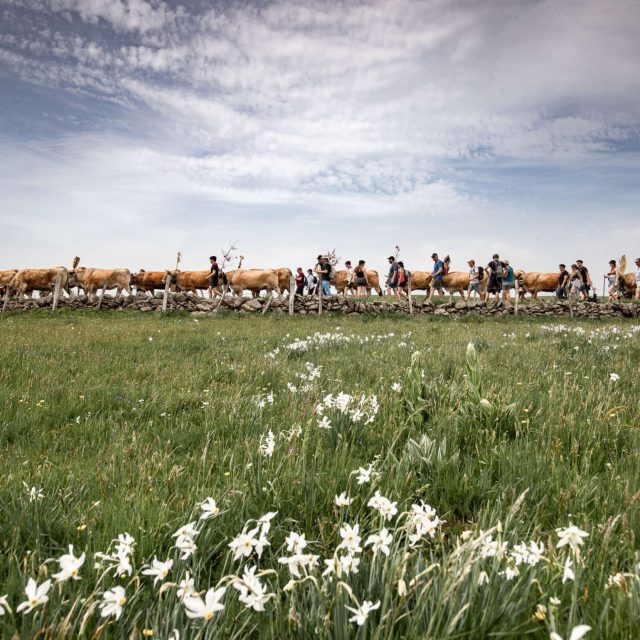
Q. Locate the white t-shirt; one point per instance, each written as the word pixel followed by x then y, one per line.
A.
pixel 350 275
pixel 473 275
pixel 638 275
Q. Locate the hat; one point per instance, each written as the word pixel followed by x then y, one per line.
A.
pixel 506 262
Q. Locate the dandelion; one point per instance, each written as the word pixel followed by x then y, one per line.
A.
pixel 614 377
pixel 113 602
pixel 364 475
pixel 379 542
pixel 343 500
pixel 4 605
pixel 361 613
pixel 69 566
pixel 576 633
pixel 158 569
pixel 350 538
pixel 196 607
pixel 571 536
pixel 36 595
pixel 209 509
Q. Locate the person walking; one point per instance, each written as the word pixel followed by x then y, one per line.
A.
pixel 362 282
pixel 637 296
pixel 323 269
pixel 612 280
pixel 214 277
pixel 437 282
pixel 563 282
pixel 585 278
pixel 508 280
pixel 403 280
pixel 392 277
pixel 496 271
pixel 351 279
pixel 312 283
pixel 301 281
pixel 475 276
pixel 575 281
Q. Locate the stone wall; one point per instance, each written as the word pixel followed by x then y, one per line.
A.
pixel 307 305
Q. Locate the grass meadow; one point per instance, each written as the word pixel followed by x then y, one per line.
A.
pixel 376 477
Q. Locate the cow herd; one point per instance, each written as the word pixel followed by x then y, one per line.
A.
pixel 89 280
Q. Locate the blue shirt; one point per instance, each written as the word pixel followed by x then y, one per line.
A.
pixel 510 277
pixel 436 267
pixel 393 269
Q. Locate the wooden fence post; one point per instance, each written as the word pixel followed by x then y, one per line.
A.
pixel 167 285
pixel 6 298
pixel 104 288
pixel 266 306
pixel 292 293
pixel 409 295
pixel 56 294
pixel 224 291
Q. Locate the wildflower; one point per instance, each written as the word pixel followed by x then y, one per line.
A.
pixel 364 475
pixel 396 386
pixel 554 601
pixel 343 500
pixel 530 555
pixel 295 542
pixel 541 612
pixel 379 542
pixel 209 509
pixel 268 445
pixel 383 506
pixel 265 521
pixel 4 605
pixel 253 594
pixel 186 587
pixel 571 536
pixel 112 602
pixel 244 544
pixel 196 607
pixel 36 595
pixel 147 633
pixel 188 529
pixel 125 544
pixel 69 566
pixel 186 545
pixel 483 578
pixel 618 580
pixel 568 573
pixel 325 423
pixel 350 538
pixel 510 572
pixel 349 564
pixel 576 633
pixel 298 561
pixel 35 494
pixel 614 377
pixel 362 612
pixel 158 569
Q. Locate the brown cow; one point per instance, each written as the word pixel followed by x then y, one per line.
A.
pixel 5 278
pixel 253 280
pixel 340 281
pixel 148 281
pixel 626 283
pixel 29 280
pixel 456 282
pixel 284 276
pixel 535 282
pixel 192 281
pixel 90 280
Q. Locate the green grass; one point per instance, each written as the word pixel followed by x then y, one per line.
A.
pixel 128 422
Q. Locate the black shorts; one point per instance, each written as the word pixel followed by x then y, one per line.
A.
pixel 495 285
pixel 214 282
pixel 361 282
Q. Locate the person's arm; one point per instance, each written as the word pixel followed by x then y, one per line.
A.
pixel 364 274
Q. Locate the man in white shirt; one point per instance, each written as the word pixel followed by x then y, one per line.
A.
pixel 474 280
pixel 351 278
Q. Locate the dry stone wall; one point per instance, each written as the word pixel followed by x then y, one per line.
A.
pixel 308 305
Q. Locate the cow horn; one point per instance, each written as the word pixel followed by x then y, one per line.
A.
pixel 76 262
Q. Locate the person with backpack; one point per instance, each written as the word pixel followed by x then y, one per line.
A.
pixel 361 279
pixel 301 281
pixel 508 280
pixel 476 275
pixel 496 270
pixel 392 278
pixel 403 279
pixel 312 283
pixel 437 282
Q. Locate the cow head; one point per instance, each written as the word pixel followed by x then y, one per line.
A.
pixel 75 277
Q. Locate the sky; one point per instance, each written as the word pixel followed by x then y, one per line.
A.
pixel 134 129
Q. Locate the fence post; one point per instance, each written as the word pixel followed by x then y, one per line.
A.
pixel 104 288
pixel 292 292
pixel 320 295
pixel 224 292
pixel 409 295
pixel 6 298
pixel 56 294
pixel 266 306
pixel 515 311
pixel 167 285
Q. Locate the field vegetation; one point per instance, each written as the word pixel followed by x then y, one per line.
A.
pixel 272 477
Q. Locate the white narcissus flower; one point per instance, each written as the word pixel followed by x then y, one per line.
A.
pixel 268 445
pixel 325 423
pixel 125 544
pixel 343 500
pixel 571 536
pixel 187 547
pixel 112 602
pixel 158 569
pixel 350 538
pixel 349 563
pixel 364 475
pixel 379 542
pixel 265 521
pixel 614 377
pixel 396 386
pixel 568 573
pixel 253 594
pixel 4 605
pixel 186 587
pixel 483 578
pixel 244 544
pixel 196 607
pixel 295 542
pixel 36 595
pixel 576 633
pixel 69 566
pixel 209 509
pixel 362 612
pixel 188 529
pixel 383 506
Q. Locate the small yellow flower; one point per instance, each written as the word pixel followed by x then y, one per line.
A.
pixel 147 633
pixel 81 527
pixel 541 612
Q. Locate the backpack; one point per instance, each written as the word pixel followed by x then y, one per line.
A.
pixel 480 274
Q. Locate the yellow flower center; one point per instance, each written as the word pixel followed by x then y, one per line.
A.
pixel 208 615
pixel 122 601
pixel 33 602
